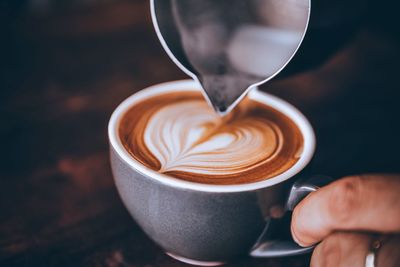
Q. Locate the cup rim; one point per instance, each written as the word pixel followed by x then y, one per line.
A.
pixel 190 85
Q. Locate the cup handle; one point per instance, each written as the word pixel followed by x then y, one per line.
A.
pixel 274 247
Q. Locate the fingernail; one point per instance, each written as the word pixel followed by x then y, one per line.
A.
pixel 294 236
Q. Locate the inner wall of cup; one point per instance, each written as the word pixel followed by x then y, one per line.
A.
pixel 189 85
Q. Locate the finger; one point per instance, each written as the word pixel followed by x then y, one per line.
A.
pixel 342 249
pixel 388 255
pixel 368 203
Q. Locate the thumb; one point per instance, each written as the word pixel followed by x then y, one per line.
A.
pixel 361 203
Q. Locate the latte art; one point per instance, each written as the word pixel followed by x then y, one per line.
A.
pixel 190 137
pixel 181 136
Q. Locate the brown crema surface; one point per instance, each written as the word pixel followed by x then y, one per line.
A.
pixel 179 135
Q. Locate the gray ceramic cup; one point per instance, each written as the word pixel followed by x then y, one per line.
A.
pixel 206 224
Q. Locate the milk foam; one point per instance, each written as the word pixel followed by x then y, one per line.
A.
pixel 179 135
pixel 190 137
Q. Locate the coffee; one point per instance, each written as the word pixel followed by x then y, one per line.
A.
pixel 179 135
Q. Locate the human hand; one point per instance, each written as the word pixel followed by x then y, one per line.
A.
pixel 348 216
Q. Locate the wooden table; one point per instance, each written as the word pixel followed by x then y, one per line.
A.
pixel 58 203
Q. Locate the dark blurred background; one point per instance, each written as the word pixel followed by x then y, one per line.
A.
pixel 65 65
